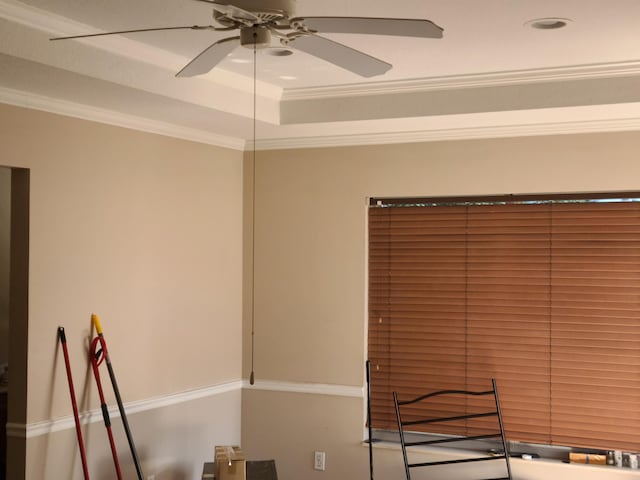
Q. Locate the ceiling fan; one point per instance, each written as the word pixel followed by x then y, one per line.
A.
pixel 259 20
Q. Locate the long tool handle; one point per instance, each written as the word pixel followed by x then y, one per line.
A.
pixel 116 391
pixel 96 360
pixel 368 370
pixel 72 392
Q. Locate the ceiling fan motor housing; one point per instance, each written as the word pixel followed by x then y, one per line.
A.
pixel 256 36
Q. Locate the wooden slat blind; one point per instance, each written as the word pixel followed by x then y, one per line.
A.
pixel 595 347
pixel 417 312
pixel 542 296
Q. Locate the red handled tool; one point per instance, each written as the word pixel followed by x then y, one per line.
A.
pixel 103 354
pixel 96 359
pixel 72 393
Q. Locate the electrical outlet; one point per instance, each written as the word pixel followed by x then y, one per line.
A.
pixel 318 460
pixel 151 477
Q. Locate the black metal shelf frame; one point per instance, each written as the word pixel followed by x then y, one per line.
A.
pixel 443 393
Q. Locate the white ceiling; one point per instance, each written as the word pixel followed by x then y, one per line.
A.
pixel 490 75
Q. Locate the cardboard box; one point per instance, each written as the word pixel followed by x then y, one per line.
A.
pixel 230 463
pixel 592 458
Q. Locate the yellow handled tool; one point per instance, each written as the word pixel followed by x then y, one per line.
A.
pixel 105 353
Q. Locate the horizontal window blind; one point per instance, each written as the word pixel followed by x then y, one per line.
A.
pixel 542 295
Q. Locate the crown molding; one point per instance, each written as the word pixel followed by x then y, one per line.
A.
pixel 31 17
pixel 490 79
pixel 463 133
pixel 55 25
pixel 85 112
pixel 94 114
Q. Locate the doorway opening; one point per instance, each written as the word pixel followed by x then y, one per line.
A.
pixel 5 229
pixel 14 275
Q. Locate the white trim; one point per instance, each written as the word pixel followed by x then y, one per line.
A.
pixel 59 26
pixel 491 79
pixel 32 17
pixel 45 427
pixel 85 112
pixel 310 388
pixel 464 133
pixel 50 426
pixel 29 100
pixel 109 117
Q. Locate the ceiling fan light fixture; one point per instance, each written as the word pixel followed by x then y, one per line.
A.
pixel 278 52
pixel 548 23
pixel 236 59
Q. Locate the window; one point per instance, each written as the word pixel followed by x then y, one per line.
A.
pixel 541 293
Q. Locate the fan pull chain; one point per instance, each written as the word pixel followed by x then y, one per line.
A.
pixel 253 217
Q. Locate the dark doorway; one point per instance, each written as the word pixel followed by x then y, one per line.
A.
pixel 14 275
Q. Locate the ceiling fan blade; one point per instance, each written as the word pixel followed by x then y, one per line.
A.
pixel 233 11
pixel 138 30
pixel 209 57
pixel 346 57
pixel 404 27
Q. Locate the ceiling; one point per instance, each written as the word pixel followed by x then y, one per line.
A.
pixel 491 74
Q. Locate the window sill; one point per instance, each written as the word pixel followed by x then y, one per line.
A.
pixel 529 469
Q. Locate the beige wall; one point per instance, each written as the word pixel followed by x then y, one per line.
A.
pixel 145 231
pixel 149 233
pixel 310 277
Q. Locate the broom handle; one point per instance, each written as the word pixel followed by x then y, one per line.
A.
pixel 72 392
pixel 96 360
pixel 116 391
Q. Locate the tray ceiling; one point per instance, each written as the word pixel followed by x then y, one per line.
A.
pixel 491 74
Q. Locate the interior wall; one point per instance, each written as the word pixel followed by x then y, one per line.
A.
pixel 146 232
pixel 172 442
pixel 311 276
pixel 5 199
